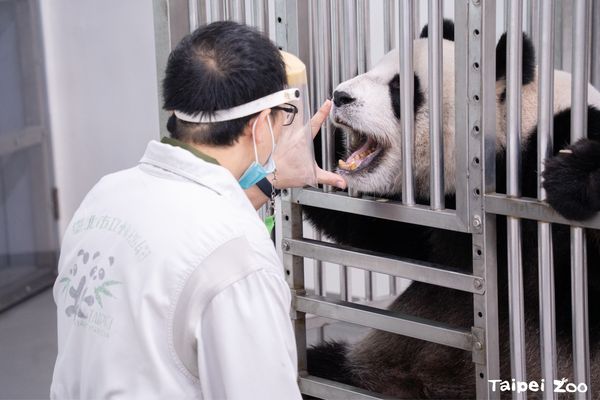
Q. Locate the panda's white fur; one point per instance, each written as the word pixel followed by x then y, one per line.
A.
pixel 371 114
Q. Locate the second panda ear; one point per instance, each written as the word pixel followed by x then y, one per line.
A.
pixel 528 59
pixel 447 30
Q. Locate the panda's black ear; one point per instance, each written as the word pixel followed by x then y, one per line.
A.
pixel 447 30
pixel 528 59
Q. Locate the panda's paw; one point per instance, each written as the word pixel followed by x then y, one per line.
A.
pixel 572 180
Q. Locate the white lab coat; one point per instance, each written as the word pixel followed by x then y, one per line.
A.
pixel 169 287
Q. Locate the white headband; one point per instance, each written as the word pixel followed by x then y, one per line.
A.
pixel 243 110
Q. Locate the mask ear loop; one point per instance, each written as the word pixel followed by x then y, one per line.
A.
pixel 254 139
pixel 272 135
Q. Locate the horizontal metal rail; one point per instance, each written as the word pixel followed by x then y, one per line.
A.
pixel 385 320
pixel 330 390
pixel 529 208
pixel 379 208
pixel 383 263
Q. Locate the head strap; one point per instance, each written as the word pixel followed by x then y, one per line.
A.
pixel 243 110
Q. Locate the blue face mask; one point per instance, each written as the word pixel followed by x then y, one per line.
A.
pixel 255 172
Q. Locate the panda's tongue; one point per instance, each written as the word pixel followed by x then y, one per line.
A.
pixel 359 156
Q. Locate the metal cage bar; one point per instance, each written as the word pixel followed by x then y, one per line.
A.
pixel 544 149
pixel 436 144
pixel 407 94
pixel 513 151
pixel 389 25
pixel 475 38
pixel 579 98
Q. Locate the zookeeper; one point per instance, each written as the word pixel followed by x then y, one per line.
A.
pixel 168 283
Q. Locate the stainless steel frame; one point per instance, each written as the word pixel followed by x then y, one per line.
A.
pixel 335 49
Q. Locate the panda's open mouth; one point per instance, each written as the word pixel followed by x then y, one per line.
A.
pixel 368 151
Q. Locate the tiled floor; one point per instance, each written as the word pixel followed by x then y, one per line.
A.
pixel 28 348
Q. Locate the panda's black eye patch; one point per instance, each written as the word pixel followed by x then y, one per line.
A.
pixel 394 86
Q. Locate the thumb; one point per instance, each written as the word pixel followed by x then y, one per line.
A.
pixel 330 178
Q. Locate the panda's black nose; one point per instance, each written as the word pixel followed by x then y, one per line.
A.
pixel 340 98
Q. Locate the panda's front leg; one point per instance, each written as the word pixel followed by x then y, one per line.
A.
pixel 572 180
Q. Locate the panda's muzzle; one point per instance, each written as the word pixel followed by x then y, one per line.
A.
pixel 368 150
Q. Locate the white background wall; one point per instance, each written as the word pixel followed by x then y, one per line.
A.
pixel 101 76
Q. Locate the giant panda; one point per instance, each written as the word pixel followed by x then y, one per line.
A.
pixel 366 110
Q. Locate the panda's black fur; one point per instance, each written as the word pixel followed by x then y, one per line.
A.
pixel 403 367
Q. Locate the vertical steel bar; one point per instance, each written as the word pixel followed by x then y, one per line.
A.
pixel 228 9
pixel 407 94
pixel 436 144
pixel 534 11
pixel 579 298
pixel 513 148
pixel 558 17
pixel 567 34
pixel 363 33
pixel 319 78
pixel 475 89
pixel 202 12
pixel 595 67
pixel 363 41
pixel 193 14
pixel 389 43
pixel 389 25
pixel 417 17
pixel 260 15
pixel 294 271
pixel 217 10
pixel 162 45
pixel 239 11
pixel 349 64
pixel 335 25
pixel 545 134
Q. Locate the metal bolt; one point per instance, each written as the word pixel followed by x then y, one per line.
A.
pixel 478 345
pixel 285 245
pixel 477 221
pixel 477 284
pixel 284 192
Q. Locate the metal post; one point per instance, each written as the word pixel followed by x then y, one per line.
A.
pixel 406 106
pixel 217 10
pixel 389 43
pixel 513 148
pixel 417 16
pixel 475 91
pixel 545 134
pixel 436 144
pixel 260 16
pixel 363 63
pixel 238 12
pixel 579 298
pixel 294 271
pixel 531 23
pixel 193 14
pixel 595 67
pixel 389 25
pixel 320 78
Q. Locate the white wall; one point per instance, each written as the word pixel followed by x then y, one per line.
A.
pixel 103 99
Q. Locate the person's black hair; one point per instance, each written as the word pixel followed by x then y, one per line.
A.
pixel 216 67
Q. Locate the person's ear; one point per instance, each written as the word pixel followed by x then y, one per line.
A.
pixel 261 128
